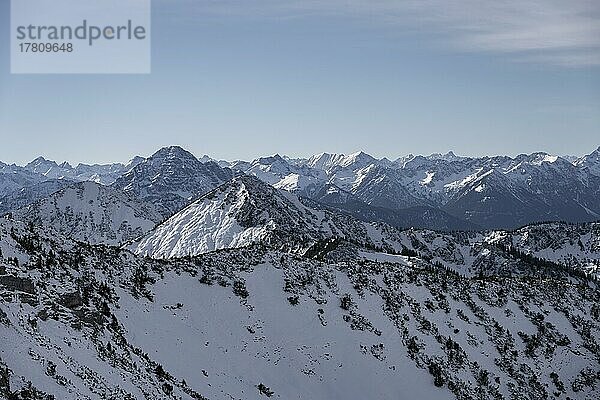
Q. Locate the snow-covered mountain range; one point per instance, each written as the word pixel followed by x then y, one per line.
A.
pixel 332 277
pixel 247 211
pixel 14 178
pixel 445 192
pixel 489 192
pixel 104 174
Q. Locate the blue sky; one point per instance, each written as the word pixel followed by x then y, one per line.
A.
pixel 240 79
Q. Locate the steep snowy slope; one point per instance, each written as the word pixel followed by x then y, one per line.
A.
pixel 92 213
pixel 171 178
pixel 572 245
pixel 335 199
pixel 590 162
pixel 246 211
pixel 98 323
pixel 243 211
pixel 13 178
pixel 30 194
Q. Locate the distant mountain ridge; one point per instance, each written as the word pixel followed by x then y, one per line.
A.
pixel 104 174
pixel 440 191
pixel 488 192
pixel 30 194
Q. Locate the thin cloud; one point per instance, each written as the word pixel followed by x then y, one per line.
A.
pixel 564 33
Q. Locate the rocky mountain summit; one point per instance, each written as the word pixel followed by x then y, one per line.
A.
pixel 171 178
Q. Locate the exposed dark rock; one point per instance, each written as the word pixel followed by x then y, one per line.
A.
pixel 15 283
pixel 71 300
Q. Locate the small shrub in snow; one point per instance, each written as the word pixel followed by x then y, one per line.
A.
pixel 265 390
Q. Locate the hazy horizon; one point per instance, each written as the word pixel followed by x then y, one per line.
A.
pixel 237 80
pixel 290 155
